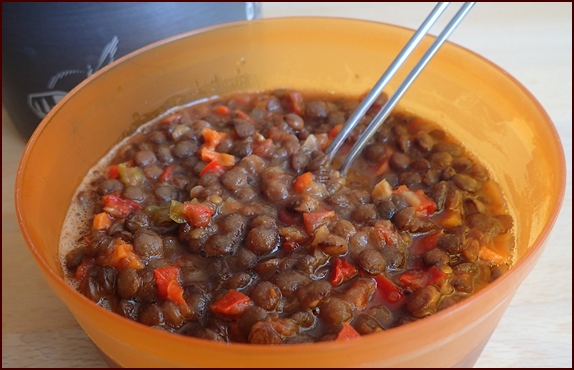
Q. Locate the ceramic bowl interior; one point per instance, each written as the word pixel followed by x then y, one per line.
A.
pixel 483 107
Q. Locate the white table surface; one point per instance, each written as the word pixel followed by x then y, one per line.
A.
pixel 531 41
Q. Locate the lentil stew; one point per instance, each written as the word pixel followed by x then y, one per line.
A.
pixel 223 220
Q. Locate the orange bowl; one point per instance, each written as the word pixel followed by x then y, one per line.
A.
pixel 483 107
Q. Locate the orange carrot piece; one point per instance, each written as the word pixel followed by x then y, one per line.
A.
pixel 490 256
pixel 221 110
pixel 211 137
pixel 102 221
pixel 123 256
pixel 209 155
pixel 302 182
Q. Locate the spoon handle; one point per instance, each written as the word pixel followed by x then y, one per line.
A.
pixel 385 78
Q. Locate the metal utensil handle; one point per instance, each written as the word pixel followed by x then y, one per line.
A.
pixel 392 102
pixel 384 80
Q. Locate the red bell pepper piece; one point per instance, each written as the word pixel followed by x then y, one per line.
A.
pixel 233 304
pixel 387 289
pixel 414 279
pixel 348 332
pixel 289 245
pixel 198 214
pixel 119 207
pixel 293 101
pixel 213 167
pixel 314 220
pixel 262 148
pixel 425 243
pixel 83 269
pixel 427 206
pixel 342 271
pixel 168 286
pixel 387 232
pixel 242 115
pixel 434 274
pixel 113 172
pixel 167 173
pixel 424 205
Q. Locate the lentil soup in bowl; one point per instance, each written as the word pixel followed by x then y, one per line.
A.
pixel 217 236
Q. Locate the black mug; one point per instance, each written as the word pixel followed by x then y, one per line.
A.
pixel 48 48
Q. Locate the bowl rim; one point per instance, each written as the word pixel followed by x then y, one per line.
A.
pixel 528 258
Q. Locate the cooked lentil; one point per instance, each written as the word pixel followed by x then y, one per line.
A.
pixel 222 220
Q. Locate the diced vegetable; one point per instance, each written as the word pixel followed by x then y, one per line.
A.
pixel 119 207
pixel 198 214
pixel 424 205
pixel 177 212
pixel 242 115
pixel 382 191
pixel 386 232
pixel 314 220
pixel 413 279
pixel 262 148
pixel 416 278
pixel 113 172
pixel 168 285
pixel 211 137
pixel 213 167
pixel 233 304
pixel 342 271
pixel 348 332
pixel 167 173
pixel 488 255
pixel 123 256
pixel 334 131
pixel 434 274
pixel 209 155
pixel 83 269
pixel 323 141
pixel 159 214
pixel 302 182
pixel 450 219
pixel 221 110
pixel 294 102
pixel 130 176
pixel 425 243
pixel 102 221
pixel 387 289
